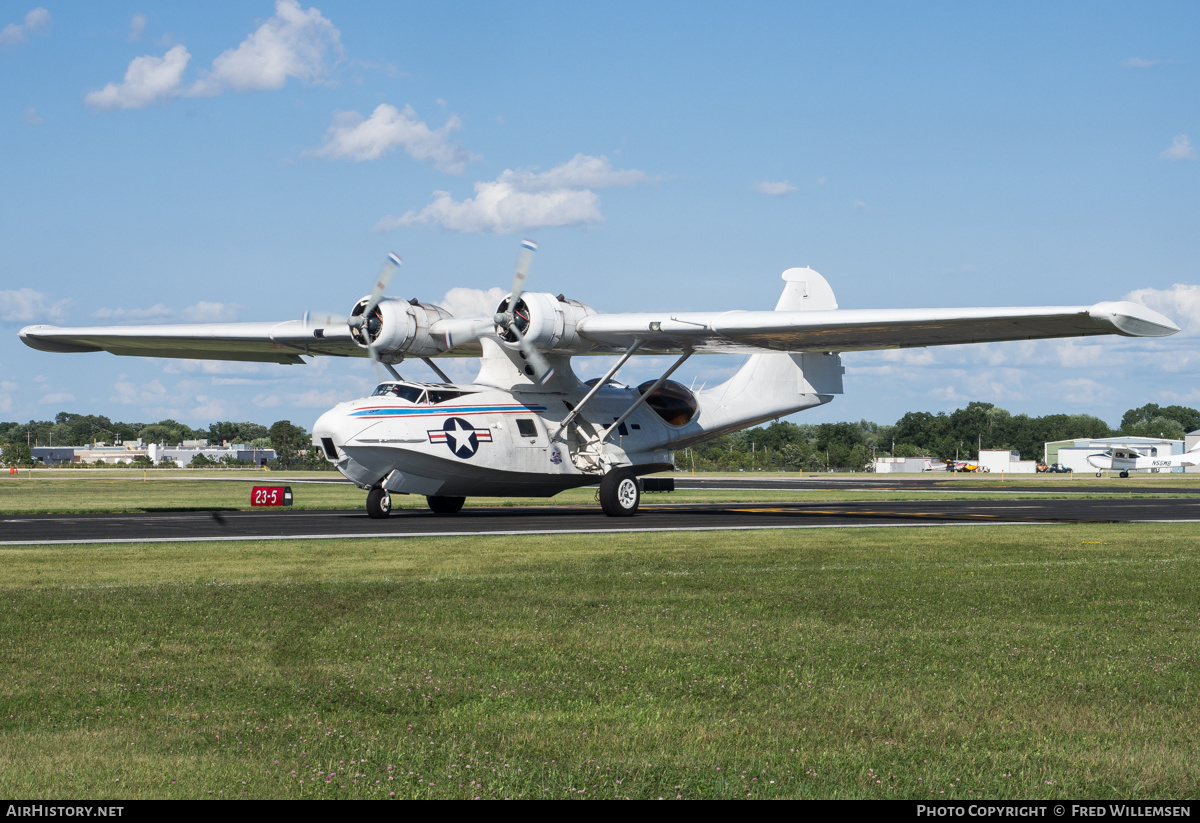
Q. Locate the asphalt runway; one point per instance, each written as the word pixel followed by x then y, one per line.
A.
pixel 313 525
pixel 933 482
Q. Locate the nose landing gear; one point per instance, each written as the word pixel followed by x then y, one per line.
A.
pixel 379 503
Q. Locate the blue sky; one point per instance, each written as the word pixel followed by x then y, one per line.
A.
pixel 249 161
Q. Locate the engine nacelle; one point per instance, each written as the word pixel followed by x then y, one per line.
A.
pixel 397 328
pixel 546 321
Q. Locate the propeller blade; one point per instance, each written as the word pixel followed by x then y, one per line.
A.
pixel 323 320
pixel 380 375
pixel 542 370
pixel 390 265
pixel 524 260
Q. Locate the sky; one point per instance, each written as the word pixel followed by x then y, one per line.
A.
pixel 168 162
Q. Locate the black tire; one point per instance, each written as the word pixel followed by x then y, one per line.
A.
pixel 379 504
pixel 445 505
pixel 620 493
pixel 1124 474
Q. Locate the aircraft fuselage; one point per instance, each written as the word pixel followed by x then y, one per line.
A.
pixel 471 440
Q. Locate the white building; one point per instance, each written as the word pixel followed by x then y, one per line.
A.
pixel 1006 462
pixel 186 452
pixel 893 465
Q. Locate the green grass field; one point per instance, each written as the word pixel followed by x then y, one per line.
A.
pixel 966 662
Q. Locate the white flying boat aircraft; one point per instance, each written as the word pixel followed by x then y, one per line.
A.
pixel 528 425
pixel 1126 459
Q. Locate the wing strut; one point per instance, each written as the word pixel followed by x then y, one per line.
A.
pixel 437 371
pixel 601 383
pixel 645 395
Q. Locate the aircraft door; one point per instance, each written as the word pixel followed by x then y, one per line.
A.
pixel 530 432
pixel 533 450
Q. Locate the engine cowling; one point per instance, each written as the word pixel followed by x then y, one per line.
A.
pixel 397 328
pixel 546 321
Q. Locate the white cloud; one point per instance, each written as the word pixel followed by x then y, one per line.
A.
pixel 292 44
pixel 1079 353
pixel 202 312
pixel 7 390
pixel 267 401
pixel 137 26
pixel 36 21
pixel 907 357
pixel 464 302
pixel 1180 303
pixel 153 394
pixel 1181 149
pixel 350 137
pixel 311 399
pixel 208 312
pixel 157 312
pixel 522 200
pixel 29 306
pixel 31 117
pixel 1140 63
pixel 1083 391
pixel 212 367
pixel 57 397
pixel 148 80
pixel 581 171
pixel 779 189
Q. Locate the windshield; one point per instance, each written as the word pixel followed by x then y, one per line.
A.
pixel 410 393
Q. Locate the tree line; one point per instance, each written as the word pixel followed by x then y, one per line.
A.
pixel 958 435
pixel 291 443
pixel 781 446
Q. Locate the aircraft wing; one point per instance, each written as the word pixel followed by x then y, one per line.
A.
pixel 264 342
pixel 842 330
pixel 835 330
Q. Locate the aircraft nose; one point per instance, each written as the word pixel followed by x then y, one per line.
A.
pixel 330 432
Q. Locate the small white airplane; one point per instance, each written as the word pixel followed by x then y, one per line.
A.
pixel 1126 459
pixel 527 425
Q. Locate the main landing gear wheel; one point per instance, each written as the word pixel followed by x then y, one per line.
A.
pixel 379 504
pixel 445 505
pixel 1124 474
pixel 619 493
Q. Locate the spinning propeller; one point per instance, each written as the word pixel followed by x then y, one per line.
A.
pixel 513 316
pixel 365 321
pixel 510 322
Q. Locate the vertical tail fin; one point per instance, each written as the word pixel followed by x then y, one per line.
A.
pixel 772 385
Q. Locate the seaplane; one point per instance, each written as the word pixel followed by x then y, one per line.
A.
pixel 529 425
pixel 1126 459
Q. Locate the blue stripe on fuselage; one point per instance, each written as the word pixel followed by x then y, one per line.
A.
pixel 443 411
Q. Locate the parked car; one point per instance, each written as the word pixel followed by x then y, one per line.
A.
pixel 1059 468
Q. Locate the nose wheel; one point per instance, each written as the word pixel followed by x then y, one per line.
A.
pixel 379 504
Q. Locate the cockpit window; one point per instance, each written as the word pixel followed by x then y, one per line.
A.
pixel 443 395
pixel 410 393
